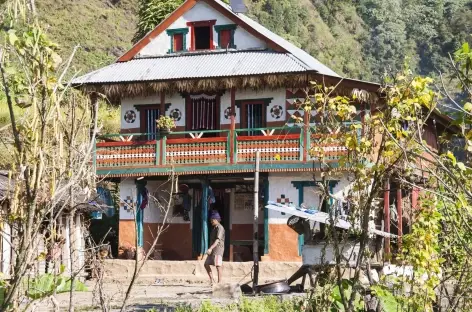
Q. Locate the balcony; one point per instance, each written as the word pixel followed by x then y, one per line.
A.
pixel 204 152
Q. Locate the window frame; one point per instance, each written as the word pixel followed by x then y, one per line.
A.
pixel 242 105
pixel 193 25
pixel 178 31
pixel 229 27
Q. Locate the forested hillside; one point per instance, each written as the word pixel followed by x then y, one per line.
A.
pixel 360 39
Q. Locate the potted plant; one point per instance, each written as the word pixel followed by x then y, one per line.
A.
pixel 165 124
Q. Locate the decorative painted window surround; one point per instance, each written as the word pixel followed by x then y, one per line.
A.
pixel 192 25
pixel 178 31
pixel 230 27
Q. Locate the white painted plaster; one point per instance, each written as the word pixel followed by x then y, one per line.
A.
pixel 177 102
pixel 128 104
pixel 277 95
pixel 127 188
pixel 241 216
pixel 281 183
pixel 200 12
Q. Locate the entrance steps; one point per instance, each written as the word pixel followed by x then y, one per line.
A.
pixel 193 272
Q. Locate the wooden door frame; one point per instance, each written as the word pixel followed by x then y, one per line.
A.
pixel 242 105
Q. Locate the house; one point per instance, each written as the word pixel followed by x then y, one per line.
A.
pixel 231 86
pixel 59 240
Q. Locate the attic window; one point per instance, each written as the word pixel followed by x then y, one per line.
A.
pixel 202 35
pixel 226 36
pixel 178 39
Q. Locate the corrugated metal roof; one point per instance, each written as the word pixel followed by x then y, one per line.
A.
pixel 301 55
pixel 194 66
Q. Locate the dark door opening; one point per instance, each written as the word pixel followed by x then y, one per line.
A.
pixel 253 116
pixel 202 38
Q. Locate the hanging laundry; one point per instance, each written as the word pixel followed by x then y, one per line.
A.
pixel 144 198
pixel 211 196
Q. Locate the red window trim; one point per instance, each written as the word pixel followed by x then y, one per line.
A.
pixel 192 25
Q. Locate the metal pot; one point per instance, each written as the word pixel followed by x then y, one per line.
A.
pixel 280 287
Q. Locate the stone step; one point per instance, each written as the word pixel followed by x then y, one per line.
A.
pixel 184 272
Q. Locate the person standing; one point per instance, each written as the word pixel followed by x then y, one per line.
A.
pixel 217 247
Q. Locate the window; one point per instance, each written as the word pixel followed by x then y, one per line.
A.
pixel 178 39
pixel 201 35
pixel 149 114
pixel 225 39
pixel 202 38
pixel 253 115
pixel 226 36
pixel 178 42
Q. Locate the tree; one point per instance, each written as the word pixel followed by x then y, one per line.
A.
pixel 151 13
pixel 52 141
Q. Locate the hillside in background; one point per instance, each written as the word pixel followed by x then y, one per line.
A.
pixel 360 39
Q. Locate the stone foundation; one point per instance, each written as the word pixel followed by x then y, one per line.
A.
pixel 184 272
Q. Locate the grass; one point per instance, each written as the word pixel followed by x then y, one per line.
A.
pixel 102 29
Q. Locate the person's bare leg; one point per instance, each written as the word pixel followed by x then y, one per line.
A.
pixel 219 270
pixel 210 273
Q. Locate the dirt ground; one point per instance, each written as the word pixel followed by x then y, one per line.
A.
pixel 143 297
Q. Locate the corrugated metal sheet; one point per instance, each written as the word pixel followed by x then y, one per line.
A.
pixel 194 66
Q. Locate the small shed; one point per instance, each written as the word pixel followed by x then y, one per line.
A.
pixel 63 231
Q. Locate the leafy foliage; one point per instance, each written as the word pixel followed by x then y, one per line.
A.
pixel 47 284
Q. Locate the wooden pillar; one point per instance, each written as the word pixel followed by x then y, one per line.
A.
pixel 400 216
pixel 233 125
pixel 140 185
pixel 204 234
pixel 387 216
pixel 162 107
pixel 160 146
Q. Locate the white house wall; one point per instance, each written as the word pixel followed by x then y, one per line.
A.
pixel 128 105
pixel 200 12
pixel 154 212
pixel 177 106
pixel 127 191
pixel 280 185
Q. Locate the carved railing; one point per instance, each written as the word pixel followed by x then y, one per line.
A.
pixel 220 147
pixel 273 144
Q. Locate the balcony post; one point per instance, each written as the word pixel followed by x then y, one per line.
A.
pixel 306 133
pixel 161 157
pixel 233 126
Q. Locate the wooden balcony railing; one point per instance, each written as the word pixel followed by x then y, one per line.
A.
pixel 199 149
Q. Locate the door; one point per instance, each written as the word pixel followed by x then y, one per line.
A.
pixel 149 115
pixel 253 116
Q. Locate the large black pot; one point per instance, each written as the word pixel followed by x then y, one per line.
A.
pixel 280 287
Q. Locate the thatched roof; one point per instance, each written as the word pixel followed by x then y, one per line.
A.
pixel 115 91
pixel 85 200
